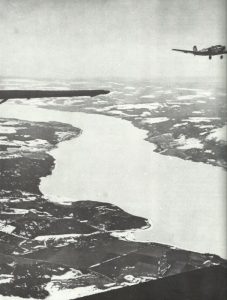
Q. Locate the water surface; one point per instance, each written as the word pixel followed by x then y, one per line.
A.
pixel 111 162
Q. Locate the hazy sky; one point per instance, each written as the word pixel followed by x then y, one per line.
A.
pixel 109 38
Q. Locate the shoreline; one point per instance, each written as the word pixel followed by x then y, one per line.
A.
pixel 82 241
pixel 142 236
pixel 197 171
pixel 154 142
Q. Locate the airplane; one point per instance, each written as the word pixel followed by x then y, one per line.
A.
pixel 28 94
pixel 213 50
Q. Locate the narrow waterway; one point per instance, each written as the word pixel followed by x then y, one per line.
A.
pixel 111 162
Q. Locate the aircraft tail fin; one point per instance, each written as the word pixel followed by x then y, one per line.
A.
pixel 195 48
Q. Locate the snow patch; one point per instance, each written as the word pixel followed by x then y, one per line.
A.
pixel 150 106
pixel 190 143
pixel 62 236
pixel 68 275
pixel 155 120
pixel 219 134
pixel 146 114
pixel 7 129
pixel 130 88
pixel 200 119
pixel 197 112
pixel 125 235
pixel 181 124
pixel 5 278
pixel 6 228
pixel 17 211
pixel 58 294
pixel 120 113
pixel 148 96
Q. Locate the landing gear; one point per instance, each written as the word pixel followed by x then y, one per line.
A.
pixel 210 57
pixel 221 57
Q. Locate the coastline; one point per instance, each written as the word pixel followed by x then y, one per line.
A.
pixel 118 132
pixel 80 239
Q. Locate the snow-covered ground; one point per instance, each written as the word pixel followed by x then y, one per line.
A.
pixel 200 119
pixel 6 228
pixel 218 134
pixel 59 294
pixel 18 211
pixel 148 96
pixel 154 120
pixel 5 278
pixel 149 106
pixel 68 275
pixel 151 185
pixel 7 129
pixel 66 237
pixel 189 143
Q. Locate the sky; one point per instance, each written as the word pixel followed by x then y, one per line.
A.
pixel 110 38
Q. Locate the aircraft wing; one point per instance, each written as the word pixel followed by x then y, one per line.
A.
pixel 27 94
pixel 184 51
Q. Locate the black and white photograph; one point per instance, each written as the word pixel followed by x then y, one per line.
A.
pixel 113 149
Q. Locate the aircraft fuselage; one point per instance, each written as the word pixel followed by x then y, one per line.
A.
pixel 214 50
